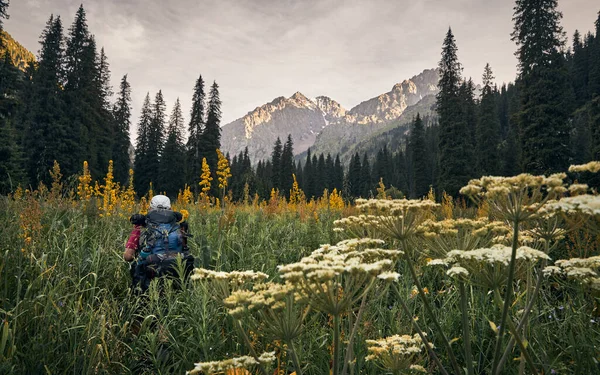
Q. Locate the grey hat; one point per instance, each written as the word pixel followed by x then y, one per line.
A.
pixel 160 202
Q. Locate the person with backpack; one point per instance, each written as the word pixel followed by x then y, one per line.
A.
pixel 155 244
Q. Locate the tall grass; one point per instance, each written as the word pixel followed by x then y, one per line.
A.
pixel 67 308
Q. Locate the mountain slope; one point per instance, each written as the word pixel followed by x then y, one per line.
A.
pixel 297 115
pixel 323 124
pixel 20 56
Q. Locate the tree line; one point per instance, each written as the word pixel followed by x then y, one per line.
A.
pixel 60 109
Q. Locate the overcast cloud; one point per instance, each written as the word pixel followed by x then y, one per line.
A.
pixel 257 50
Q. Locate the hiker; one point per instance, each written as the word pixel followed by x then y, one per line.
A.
pixel 157 240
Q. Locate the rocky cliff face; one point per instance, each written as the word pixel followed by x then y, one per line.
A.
pixel 297 115
pixel 322 123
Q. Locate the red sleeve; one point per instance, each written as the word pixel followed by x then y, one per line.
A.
pixel 134 238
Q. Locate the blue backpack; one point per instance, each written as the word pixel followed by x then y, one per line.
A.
pixel 161 238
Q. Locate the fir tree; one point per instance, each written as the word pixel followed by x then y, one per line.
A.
pixel 488 128
pixel 546 98
pixel 320 177
pixel 83 95
pixel 195 129
pixel 173 156
pixel 276 164
pixel 210 139
pixel 354 172
pixel 420 163
pixel 366 180
pixel 122 116
pixel 309 176
pixel 144 170
pixel 156 139
pixel 594 62
pixel 579 70
pixel 455 140
pixel 287 166
pixel 45 118
pixel 338 174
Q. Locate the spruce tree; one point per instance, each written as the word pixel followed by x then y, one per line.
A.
pixel 467 93
pixel 488 128
pixel 195 129
pixel 156 139
pixel 420 167
pixel 308 176
pixel 12 163
pixel 287 167
pixel 594 62
pixel 210 139
pixel 142 166
pixel 580 69
pixel 172 171
pixel 122 115
pixel 366 181
pixel 84 102
pixel 546 96
pixel 338 174
pixel 455 145
pixel 320 176
pixel 45 118
pixel 276 164
pixel 354 172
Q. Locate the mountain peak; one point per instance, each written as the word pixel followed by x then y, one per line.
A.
pixel 298 96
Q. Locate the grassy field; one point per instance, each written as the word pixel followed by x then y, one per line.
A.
pixel 66 305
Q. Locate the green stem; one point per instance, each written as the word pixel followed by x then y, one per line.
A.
pixel 507 297
pixel 429 311
pixel 523 320
pixel 336 343
pixel 294 356
pixel 513 330
pixel 250 348
pixel 348 355
pixel 466 328
pixel 432 354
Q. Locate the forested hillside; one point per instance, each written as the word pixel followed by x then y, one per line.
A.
pixel 63 108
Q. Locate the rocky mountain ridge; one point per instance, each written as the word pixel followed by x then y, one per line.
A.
pixel 322 123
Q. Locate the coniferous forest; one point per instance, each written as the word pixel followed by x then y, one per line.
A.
pixel 63 107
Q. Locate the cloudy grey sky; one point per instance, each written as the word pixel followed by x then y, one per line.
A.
pixel 256 50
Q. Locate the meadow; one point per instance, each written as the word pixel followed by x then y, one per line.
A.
pixel 472 285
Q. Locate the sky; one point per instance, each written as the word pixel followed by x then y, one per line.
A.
pixel 257 50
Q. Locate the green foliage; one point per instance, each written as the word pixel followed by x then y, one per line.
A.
pixel 172 161
pixel 456 151
pixel 121 144
pixel 488 129
pixel 195 129
pixel 420 160
pixel 143 166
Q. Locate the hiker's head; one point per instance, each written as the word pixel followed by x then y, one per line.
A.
pixel 160 202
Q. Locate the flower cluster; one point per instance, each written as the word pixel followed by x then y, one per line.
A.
pixel 593 166
pixel 394 206
pixel 488 265
pixel 440 237
pixel 233 277
pixel 396 219
pixel 494 186
pixel 518 198
pixel 586 204
pixel 584 270
pixel 265 295
pixel 396 353
pixel 350 265
pixel 243 362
